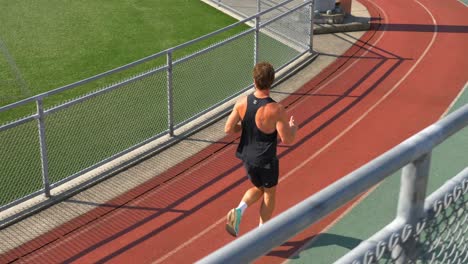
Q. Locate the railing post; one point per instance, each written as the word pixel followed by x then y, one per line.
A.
pixel 311 33
pixel 414 178
pixel 43 146
pixel 257 31
pixel 170 99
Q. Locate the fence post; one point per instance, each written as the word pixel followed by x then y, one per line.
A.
pixel 257 30
pixel 43 146
pixel 311 33
pixel 170 99
pixel 414 178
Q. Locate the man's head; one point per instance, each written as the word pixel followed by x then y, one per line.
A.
pixel 263 75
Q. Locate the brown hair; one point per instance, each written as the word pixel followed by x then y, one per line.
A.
pixel 264 75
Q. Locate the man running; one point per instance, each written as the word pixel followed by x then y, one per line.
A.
pixel 261 120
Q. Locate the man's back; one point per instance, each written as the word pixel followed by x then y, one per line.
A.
pixel 258 142
pixel 266 116
pixel 269 118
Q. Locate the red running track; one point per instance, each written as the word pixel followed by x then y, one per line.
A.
pixel 397 79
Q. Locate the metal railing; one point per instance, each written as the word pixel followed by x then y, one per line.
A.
pixel 156 96
pixel 438 236
pixel 410 237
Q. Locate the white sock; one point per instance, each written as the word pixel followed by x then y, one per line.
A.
pixel 242 206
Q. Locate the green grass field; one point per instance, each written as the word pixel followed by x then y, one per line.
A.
pixel 93 130
pixel 49 44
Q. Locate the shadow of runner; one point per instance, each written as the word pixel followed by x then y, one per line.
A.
pixel 320 240
pixel 327 239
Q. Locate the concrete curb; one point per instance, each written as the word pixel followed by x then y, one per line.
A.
pixel 334 28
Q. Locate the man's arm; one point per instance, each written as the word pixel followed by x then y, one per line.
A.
pixel 286 127
pixel 232 124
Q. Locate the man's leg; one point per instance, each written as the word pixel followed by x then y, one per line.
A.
pixel 252 195
pixel 268 204
pixel 234 216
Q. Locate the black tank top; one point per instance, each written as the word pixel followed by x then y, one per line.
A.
pixel 256 147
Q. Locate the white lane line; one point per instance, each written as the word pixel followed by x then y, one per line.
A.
pixel 465 87
pixel 463 2
pixel 175 250
pixel 25 91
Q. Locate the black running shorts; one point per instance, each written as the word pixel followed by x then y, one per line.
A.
pixel 263 176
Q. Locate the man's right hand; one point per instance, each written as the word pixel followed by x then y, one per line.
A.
pixel 291 122
pixel 286 130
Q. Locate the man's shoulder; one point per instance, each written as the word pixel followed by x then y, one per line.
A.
pixel 242 100
pixel 274 109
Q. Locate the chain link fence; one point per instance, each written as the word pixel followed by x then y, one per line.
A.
pixel 80 135
pixel 292 28
pixel 138 103
pixel 197 85
pixel 439 237
pixel 20 162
